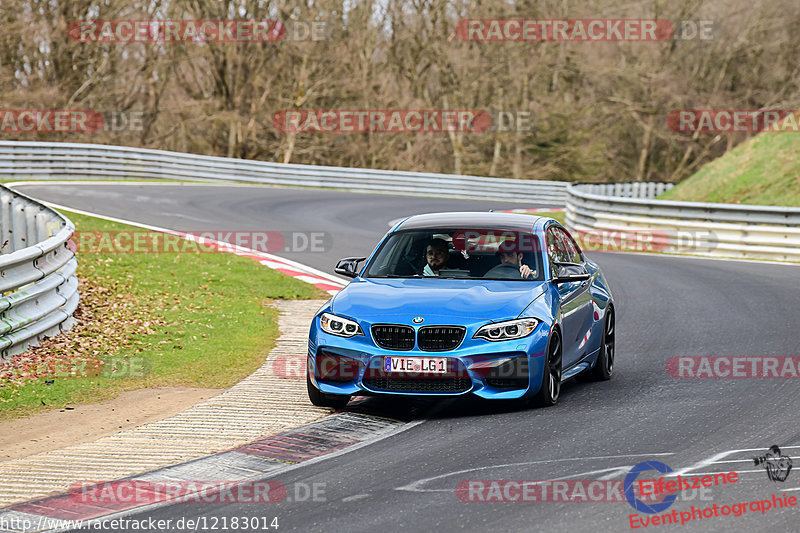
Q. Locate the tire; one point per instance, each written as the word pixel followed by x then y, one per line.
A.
pixel 604 367
pixel 321 399
pixel 551 375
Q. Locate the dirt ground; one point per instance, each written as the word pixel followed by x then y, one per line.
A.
pixel 84 423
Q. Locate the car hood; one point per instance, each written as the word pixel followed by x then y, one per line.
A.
pixel 366 298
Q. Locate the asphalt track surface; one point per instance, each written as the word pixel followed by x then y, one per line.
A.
pixel 666 306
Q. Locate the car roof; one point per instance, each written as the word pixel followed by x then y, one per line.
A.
pixel 470 219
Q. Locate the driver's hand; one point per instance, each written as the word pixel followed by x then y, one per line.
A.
pixel 525 271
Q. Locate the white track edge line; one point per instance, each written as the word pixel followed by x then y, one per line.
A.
pixel 300 266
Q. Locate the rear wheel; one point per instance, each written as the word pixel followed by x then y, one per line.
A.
pixel 605 359
pixel 322 399
pixel 551 374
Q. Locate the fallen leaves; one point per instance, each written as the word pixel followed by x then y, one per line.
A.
pixel 108 320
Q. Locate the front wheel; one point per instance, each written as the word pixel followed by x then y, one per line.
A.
pixel 322 399
pixel 551 374
pixel 605 359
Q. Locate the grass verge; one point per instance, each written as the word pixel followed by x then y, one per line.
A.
pixel 763 170
pixel 558 215
pixel 151 320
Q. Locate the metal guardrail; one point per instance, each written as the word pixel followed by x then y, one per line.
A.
pixel 709 229
pixel 37 273
pixel 34 160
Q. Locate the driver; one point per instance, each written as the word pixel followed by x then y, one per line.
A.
pixel 510 266
pixel 436 255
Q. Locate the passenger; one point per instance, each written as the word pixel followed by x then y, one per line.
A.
pixel 436 255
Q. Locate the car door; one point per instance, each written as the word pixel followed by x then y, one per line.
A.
pixel 575 301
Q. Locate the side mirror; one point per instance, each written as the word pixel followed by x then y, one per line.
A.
pixel 567 272
pixel 348 266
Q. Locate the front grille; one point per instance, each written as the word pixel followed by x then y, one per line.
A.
pixel 440 338
pixel 393 336
pixel 420 385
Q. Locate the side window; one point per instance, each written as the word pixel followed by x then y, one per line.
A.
pixel 581 257
pixel 555 249
pixel 572 251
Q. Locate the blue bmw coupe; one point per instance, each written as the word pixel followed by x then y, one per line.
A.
pixel 499 305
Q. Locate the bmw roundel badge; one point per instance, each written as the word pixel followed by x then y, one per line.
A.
pixel 418 320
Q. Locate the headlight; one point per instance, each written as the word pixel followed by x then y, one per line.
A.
pixel 503 331
pixel 336 325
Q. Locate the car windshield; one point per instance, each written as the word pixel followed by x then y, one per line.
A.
pixel 486 254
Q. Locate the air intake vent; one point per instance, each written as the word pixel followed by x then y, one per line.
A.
pixel 418 385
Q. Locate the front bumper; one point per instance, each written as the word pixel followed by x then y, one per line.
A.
pixel 492 370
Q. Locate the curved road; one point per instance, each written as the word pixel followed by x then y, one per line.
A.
pixel 666 306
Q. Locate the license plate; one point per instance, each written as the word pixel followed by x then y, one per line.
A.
pixel 404 365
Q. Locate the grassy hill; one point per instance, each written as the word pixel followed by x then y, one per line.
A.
pixel 764 170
